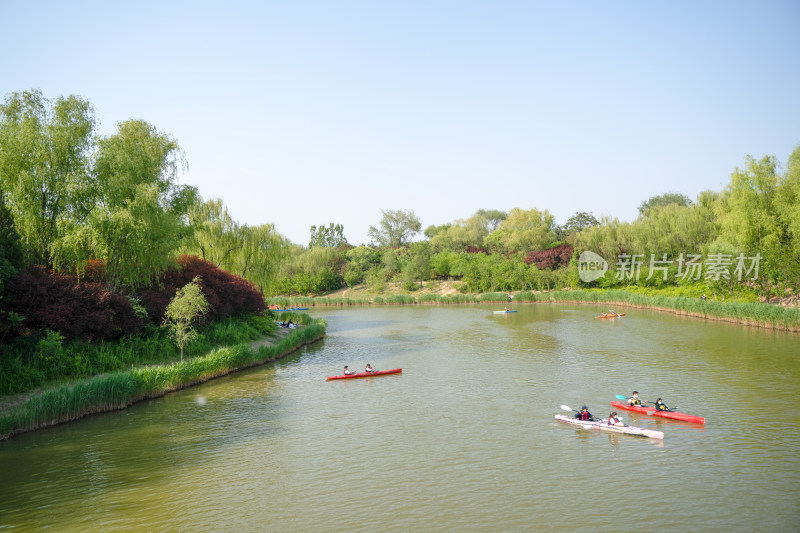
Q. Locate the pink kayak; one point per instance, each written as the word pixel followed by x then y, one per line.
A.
pixel 675 415
pixel 366 374
pixel 604 425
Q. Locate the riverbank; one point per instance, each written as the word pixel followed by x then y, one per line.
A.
pixel 118 390
pixel 753 314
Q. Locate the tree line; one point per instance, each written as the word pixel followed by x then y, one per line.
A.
pixel 70 199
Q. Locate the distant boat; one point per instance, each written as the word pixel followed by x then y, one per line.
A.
pixel 610 316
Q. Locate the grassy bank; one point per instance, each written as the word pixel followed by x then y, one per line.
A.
pixel 748 313
pixel 118 390
pixel 45 358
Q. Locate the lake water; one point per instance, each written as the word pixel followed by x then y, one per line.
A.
pixel 463 440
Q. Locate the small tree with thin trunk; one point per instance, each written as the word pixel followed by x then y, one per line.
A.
pixel 186 307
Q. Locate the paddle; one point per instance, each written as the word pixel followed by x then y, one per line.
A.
pixel 621 397
pixel 568 408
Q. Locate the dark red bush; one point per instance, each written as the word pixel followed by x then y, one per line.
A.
pixel 552 258
pixel 88 311
pixel 227 294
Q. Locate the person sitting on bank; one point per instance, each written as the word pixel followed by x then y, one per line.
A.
pixel 584 414
pixel 347 371
pixel 635 400
pixel 369 368
pixel 661 406
pixel 613 419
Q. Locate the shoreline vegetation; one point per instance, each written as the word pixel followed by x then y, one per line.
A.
pixel 65 402
pixel 754 314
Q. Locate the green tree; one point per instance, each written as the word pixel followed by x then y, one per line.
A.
pixel 216 235
pixel 10 249
pixel 185 309
pixel 460 234
pixel 523 230
pixel 331 236
pixel 431 231
pixel 360 260
pixel 396 228
pixel 493 218
pixel 254 253
pixel 662 200
pixel 579 222
pixel 417 264
pixel 259 255
pixel 45 152
pixel 140 219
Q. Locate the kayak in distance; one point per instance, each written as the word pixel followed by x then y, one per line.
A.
pixel 292 309
pixel 611 316
pixel 601 424
pixel 503 312
pixel 675 415
pixel 366 374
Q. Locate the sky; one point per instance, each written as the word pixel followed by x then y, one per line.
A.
pixel 304 113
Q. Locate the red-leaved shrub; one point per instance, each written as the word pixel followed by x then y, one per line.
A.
pixel 88 311
pixel 552 258
pixel 226 293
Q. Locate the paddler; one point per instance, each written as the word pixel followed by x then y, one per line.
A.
pixel 613 420
pixel 635 400
pixel 661 406
pixel 369 369
pixel 584 414
pixel 347 371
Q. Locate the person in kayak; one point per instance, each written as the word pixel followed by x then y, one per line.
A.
pixel 635 400
pixel 369 369
pixel 584 414
pixel 613 419
pixel 347 371
pixel 661 406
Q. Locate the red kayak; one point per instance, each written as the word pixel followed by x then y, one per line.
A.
pixel 367 374
pixel 664 414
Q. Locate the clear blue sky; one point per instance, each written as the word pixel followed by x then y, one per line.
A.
pixel 304 113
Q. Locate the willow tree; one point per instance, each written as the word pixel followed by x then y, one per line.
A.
pixel 45 149
pixel 216 236
pixel 262 250
pixel 10 249
pixel 140 218
pixel 252 252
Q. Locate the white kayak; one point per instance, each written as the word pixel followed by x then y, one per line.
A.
pixel 602 424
